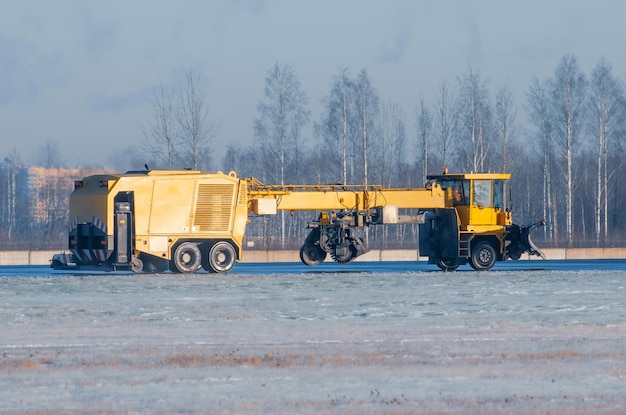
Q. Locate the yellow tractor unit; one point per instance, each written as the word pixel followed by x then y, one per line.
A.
pixel 187 220
pixel 474 226
pixel 462 218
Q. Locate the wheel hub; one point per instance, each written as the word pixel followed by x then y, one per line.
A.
pixel 484 256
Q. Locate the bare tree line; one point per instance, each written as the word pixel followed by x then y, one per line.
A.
pixel 563 142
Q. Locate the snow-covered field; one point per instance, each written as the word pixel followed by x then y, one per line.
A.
pixel 284 340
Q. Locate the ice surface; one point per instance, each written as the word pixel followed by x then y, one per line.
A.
pixel 357 342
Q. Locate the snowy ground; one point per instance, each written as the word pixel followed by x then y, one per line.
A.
pixel 370 339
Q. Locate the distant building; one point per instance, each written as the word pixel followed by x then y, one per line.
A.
pixel 49 190
pixel 34 204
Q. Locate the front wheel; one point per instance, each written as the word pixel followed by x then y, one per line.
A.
pixel 483 256
pixel 187 258
pixel 220 258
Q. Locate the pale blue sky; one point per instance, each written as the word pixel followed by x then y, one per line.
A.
pixel 80 72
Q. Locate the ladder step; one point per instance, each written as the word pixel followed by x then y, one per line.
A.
pixel 464 244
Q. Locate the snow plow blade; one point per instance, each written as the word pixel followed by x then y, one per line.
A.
pixel 520 242
pixel 531 248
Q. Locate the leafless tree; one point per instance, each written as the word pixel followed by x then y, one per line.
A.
pixel 367 105
pixel 160 138
pixel 505 119
pixel 281 115
pixel 337 122
pixel 392 144
pixel 567 97
pixel 607 103
pixel 444 122
pixel 388 158
pixel 474 121
pixel 539 113
pixel 424 125
pixel 197 131
pixel 11 165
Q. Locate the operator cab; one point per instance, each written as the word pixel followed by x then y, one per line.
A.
pixel 478 197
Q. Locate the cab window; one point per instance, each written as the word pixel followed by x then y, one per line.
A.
pixel 498 194
pixel 460 191
pixel 482 193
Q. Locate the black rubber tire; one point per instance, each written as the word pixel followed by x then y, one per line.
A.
pixel 153 264
pixel 311 254
pixel 447 264
pixel 221 257
pixel 187 258
pixel 483 256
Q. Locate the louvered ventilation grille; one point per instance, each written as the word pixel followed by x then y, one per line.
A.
pixel 214 207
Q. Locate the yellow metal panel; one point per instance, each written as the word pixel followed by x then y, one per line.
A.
pixel 91 200
pixel 407 198
pixel 487 230
pixel 240 218
pixel 85 206
pixel 158 244
pixel 307 200
pixel 353 200
pixel 243 192
pixel 482 216
pixel 464 215
pixel 171 206
pixel 141 186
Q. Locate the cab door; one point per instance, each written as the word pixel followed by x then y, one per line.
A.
pixel 482 211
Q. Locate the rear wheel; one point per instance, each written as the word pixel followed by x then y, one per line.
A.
pixel 447 264
pixel 220 258
pixel 187 258
pixel 311 254
pixel 483 256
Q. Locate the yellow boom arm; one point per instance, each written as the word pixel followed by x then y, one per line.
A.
pixel 267 200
